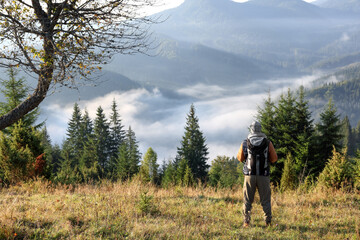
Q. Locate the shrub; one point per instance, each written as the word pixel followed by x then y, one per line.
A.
pixel 337 172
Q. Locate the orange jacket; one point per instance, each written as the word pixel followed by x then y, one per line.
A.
pixel 272 154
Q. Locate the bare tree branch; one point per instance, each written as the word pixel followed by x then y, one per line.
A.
pixel 64 42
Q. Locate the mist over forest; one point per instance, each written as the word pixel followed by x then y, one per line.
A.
pixel 223 57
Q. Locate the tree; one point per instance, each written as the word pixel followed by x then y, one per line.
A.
pixel 15 91
pixel 338 171
pixel 169 174
pixel 328 136
pixel 224 172
pixel 288 178
pixel 127 163
pixel 149 167
pixel 18 153
pixel 117 134
pixel 193 147
pixel 76 37
pixel 305 133
pixel 184 176
pixel 102 139
pixel 266 117
pixel 349 136
pixel 74 144
pixel 285 132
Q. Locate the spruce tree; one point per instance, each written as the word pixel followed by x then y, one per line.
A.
pixel 304 132
pixel 184 176
pixel 117 134
pixel 15 91
pixel 149 167
pixel 169 174
pixel 224 172
pixel 127 162
pixel 193 147
pixel 349 140
pixel 266 117
pixel 288 178
pixel 285 133
pixel 73 145
pixel 21 144
pixel 102 140
pixel 328 136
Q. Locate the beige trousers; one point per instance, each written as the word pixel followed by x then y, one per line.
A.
pixel 262 183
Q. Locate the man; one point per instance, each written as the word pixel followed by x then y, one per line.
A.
pixel 257 152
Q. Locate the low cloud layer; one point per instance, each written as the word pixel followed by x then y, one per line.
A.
pixel 159 121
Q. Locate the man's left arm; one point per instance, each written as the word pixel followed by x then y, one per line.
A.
pixel 272 153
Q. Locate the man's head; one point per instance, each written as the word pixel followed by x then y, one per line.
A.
pixel 255 127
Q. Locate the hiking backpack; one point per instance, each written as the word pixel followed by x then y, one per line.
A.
pixel 257 158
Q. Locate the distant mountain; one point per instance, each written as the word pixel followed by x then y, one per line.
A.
pixel 343 5
pixel 108 82
pixel 178 64
pixel 343 87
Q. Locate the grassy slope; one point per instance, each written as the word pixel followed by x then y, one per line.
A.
pixel 111 211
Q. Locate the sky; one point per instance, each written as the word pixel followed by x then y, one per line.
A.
pixel 158 121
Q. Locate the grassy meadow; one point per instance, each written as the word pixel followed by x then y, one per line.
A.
pixel 130 210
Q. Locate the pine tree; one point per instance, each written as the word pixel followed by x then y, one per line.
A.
pixel 149 167
pixel 127 162
pixel 266 117
pixel 193 147
pixel 224 172
pixel 184 176
pixel 21 144
pixel 338 171
pixel 18 153
pixel 349 140
pixel 88 164
pixel 169 175
pixel 304 132
pixel 288 178
pixel 73 145
pixel 117 134
pixel 15 91
pixel 328 136
pixel 285 134
pixel 102 140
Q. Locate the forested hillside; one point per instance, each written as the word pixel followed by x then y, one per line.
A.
pixel 344 88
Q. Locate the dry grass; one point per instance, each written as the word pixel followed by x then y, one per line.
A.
pixel 38 210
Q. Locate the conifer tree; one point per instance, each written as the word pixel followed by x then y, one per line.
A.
pixel 193 147
pixel 285 134
pixel 184 176
pixel 102 140
pixel 288 178
pixel 266 117
pixel 338 171
pixel 21 143
pixel 349 140
pixel 304 132
pixel 224 172
pixel 18 153
pixel 328 136
pixel 15 91
pixel 88 165
pixel 149 167
pixel 127 163
pixel 169 174
pixel 86 127
pixel 73 144
pixel 117 134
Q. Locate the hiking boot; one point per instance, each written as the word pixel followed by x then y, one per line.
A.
pixel 246 224
pixel 268 224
